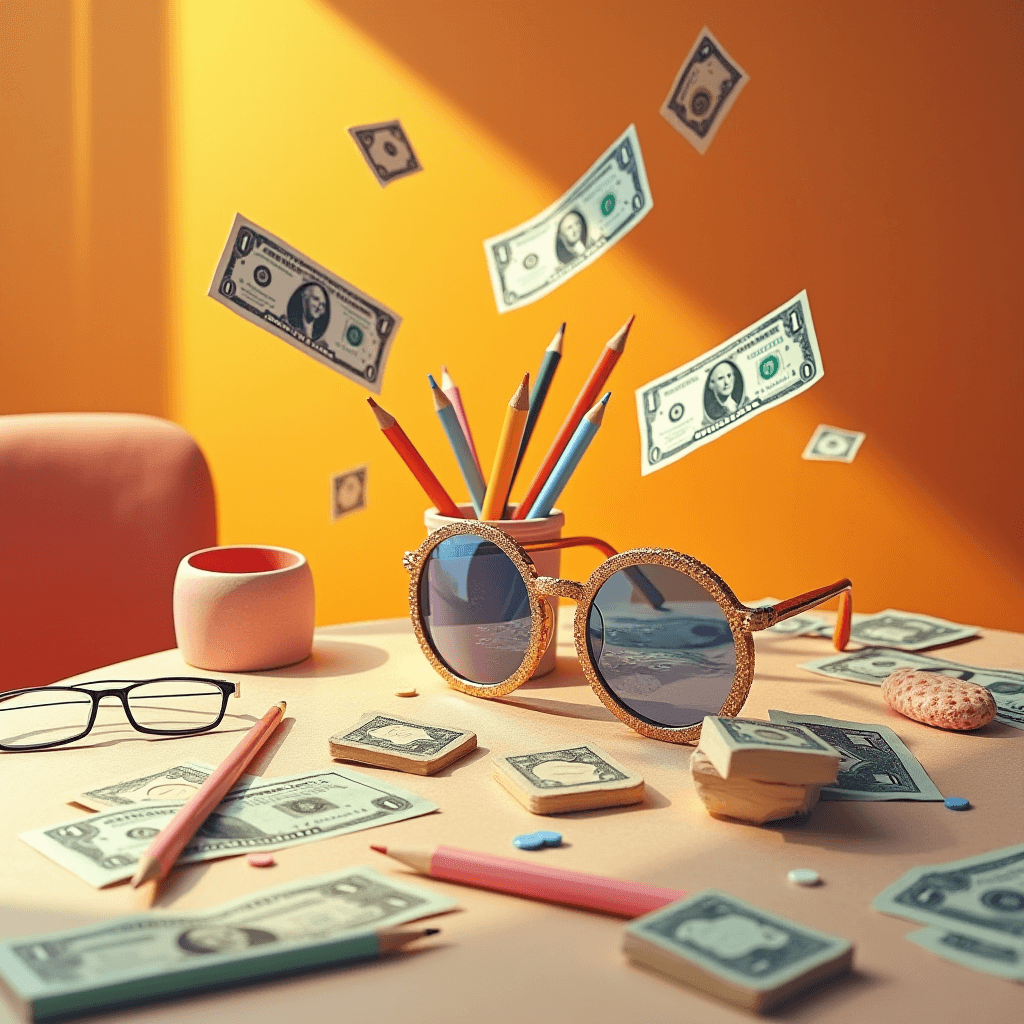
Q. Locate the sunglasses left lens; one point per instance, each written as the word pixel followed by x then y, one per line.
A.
pixel 475 609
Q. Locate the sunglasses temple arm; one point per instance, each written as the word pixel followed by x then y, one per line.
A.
pixel 804 602
pixel 639 580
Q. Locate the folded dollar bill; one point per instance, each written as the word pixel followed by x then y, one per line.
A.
pixel 273 285
pixel 175 784
pixel 260 815
pixel 978 954
pixel 981 897
pixel 300 925
pixel 873 664
pixel 875 764
pixel 533 259
pixel 763 366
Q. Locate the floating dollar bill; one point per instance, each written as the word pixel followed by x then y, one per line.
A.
pixel 348 492
pixel 875 764
pixel 264 815
pixel 832 444
pixel 387 150
pixel 704 90
pixel 968 951
pixel 873 664
pixel 274 286
pixel 602 207
pixel 291 927
pixel 980 896
pixel 763 366
pixel 733 950
pixel 172 785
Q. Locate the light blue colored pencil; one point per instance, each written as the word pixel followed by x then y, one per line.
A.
pixel 569 460
pixel 457 439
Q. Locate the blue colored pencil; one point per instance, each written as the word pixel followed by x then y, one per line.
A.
pixel 460 446
pixel 569 460
pixel 545 375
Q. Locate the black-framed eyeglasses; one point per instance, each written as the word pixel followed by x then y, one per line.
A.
pixel 49 716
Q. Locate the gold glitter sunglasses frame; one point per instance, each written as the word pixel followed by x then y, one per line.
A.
pixel 743 621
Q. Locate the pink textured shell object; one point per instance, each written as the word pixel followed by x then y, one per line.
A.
pixel 939 700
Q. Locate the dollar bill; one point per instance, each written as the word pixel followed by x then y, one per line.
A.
pixel 289 927
pixel 258 816
pixel 903 631
pixel 722 944
pixel 763 366
pixel 873 664
pixel 832 444
pixel 175 784
pixel 348 492
pixel 704 90
pixel 273 285
pixel 968 951
pixel 875 764
pixel 533 259
pixel 981 897
pixel 386 150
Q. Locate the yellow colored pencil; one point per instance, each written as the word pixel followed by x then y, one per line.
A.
pixel 500 482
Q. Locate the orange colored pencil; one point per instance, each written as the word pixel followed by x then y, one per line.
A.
pixel 412 458
pixel 584 403
pixel 508 452
pixel 161 854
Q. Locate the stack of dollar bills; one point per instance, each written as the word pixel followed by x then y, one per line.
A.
pixel 301 925
pixel 973 909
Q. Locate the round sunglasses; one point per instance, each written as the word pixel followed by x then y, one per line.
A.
pixel 662 639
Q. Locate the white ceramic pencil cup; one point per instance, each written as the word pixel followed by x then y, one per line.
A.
pixel 246 608
pixel 524 531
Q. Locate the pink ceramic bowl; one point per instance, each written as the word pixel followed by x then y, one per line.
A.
pixel 244 609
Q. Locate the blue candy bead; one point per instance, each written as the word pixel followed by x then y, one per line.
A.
pixel 550 838
pixel 528 842
pixel 957 803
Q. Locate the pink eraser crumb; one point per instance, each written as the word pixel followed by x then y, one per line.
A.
pixel 938 700
pixel 261 860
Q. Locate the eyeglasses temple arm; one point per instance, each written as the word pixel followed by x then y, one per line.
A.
pixel 650 592
pixel 804 602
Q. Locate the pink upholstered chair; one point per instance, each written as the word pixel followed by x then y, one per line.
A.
pixel 96 511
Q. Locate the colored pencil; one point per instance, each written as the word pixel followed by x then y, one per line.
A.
pixel 412 458
pixel 584 402
pixel 161 854
pixel 460 446
pixel 500 480
pixel 535 881
pixel 545 375
pixel 455 397
pixel 566 465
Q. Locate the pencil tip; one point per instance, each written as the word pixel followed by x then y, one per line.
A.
pixel 373 404
pixel 521 399
pixel 618 343
pixel 444 369
pixel 431 381
pixel 379 849
pixel 607 395
pixel 556 341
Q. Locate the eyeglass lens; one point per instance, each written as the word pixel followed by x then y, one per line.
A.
pixel 671 665
pixel 175 705
pixel 43 716
pixel 475 609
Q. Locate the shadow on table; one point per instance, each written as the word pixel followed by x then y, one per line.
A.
pixel 332 656
pixel 562 708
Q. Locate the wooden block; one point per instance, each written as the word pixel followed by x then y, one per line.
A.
pixel 767 751
pixel 749 799
pixel 394 741
pixel 568 779
pixel 731 950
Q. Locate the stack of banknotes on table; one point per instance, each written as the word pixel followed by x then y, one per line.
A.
pixel 760 771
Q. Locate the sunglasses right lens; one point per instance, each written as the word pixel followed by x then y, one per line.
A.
pixel 670 665
pixel 475 609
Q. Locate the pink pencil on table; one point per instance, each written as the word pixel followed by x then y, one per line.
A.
pixel 450 389
pixel 161 854
pixel 556 885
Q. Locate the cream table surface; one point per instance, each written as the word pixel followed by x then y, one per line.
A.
pixel 501 958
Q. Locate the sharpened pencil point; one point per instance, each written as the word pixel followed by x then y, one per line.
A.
pixel 379 849
pixel 618 343
pixel 521 399
pixel 431 381
pixel 556 342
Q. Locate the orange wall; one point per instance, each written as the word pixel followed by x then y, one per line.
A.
pixel 870 160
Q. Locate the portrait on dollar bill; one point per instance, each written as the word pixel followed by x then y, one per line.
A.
pixel 309 310
pixel 723 391
pixel 213 938
pixel 571 240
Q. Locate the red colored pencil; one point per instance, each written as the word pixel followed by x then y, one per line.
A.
pixel 535 881
pixel 163 851
pixel 584 403
pixel 412 458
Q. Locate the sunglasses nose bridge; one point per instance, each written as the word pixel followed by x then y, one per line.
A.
pixel 551 587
